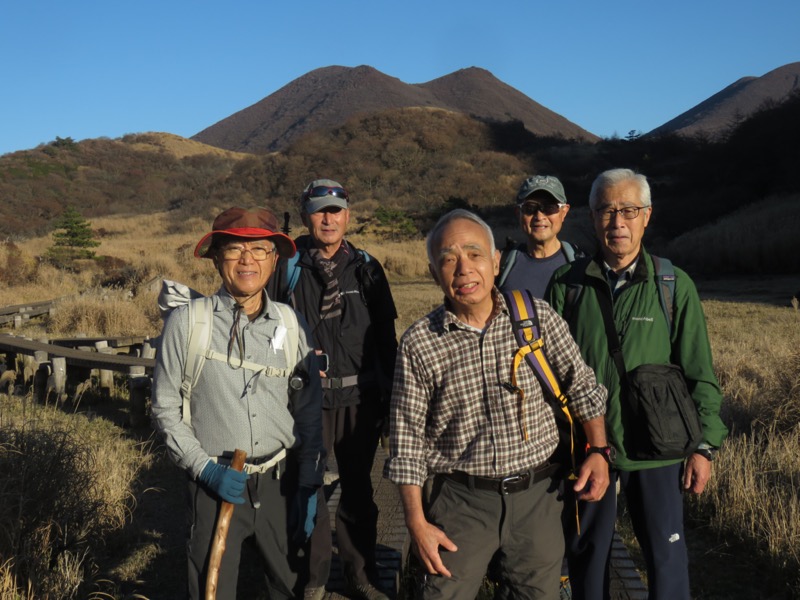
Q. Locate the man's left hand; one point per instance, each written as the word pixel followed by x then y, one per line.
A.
pixel 303 514
pixel 593 479
pixel 696 474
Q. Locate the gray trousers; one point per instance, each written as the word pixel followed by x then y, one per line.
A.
pixel 523 529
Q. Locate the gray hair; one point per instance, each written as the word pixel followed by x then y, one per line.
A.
pixel 612 177
pixel 454 215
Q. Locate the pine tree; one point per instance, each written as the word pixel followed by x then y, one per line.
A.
pixel 73 237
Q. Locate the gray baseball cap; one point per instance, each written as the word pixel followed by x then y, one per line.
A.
pixel 545 183
pixel 322 193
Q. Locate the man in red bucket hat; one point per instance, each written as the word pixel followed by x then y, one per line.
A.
pixel 258 390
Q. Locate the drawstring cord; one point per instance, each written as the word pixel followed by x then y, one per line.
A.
pixel 236 338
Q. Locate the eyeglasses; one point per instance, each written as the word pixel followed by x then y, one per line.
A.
pixel 236 252
pixel 323 190
pixel 628 212
pixel 546 208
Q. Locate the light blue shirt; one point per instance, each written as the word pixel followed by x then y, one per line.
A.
pixel 236 407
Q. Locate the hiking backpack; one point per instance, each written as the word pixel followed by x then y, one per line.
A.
pixel 665 282
pixel 509 257
pixel 293 272
pixel 527 332
pixel 201 316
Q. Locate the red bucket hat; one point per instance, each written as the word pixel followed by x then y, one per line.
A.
pixel 256 223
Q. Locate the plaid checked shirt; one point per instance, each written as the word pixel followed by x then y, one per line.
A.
pixel 450 410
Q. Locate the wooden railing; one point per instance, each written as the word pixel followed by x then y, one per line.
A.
pixel 18 314
pixel 48 366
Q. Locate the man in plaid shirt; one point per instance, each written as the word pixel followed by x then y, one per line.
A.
pixel 468 449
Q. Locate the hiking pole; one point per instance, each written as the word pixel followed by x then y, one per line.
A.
pixel 221 532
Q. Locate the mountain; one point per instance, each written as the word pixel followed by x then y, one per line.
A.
pixel 326 98
pixel 715 116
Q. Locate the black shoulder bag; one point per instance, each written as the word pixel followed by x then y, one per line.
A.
pixel 666 424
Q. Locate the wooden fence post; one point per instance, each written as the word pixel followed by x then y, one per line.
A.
pixel 138 385
pixel 59 377
pixel 106 376
pixel 41 375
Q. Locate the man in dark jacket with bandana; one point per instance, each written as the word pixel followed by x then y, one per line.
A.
pixel 344 295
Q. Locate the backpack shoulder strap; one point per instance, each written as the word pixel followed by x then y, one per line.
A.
pixel 568 250
pixel 665 281
pixel 507 260
pixel 527 332
pixel 292 274
pixel 574 283
pixel 201 315
pixel 292 342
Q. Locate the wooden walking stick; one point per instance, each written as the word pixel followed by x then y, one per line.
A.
pixel 221 532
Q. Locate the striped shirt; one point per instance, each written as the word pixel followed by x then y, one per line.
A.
pixel 451 410
pixel 235 407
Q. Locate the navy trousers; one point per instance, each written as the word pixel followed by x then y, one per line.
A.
pixel 655 502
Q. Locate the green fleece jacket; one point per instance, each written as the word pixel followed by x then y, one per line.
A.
pixel 645 338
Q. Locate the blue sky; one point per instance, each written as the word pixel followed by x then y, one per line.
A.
pixel 86 69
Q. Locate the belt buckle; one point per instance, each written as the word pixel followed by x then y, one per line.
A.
pixel 335 383
pixel 511 479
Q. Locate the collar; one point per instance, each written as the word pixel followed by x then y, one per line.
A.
pixel 304 243
pixel 452 322
pixel 625 275
pixel 228 302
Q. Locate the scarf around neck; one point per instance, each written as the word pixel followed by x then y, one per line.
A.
pixel 330 269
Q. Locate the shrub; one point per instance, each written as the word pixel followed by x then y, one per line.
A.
pixel 72 239
pixel 63 487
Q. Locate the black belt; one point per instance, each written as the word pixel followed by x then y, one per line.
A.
pixel 511 484
pixel 337 383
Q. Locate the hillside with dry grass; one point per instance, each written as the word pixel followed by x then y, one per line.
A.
pixel 408 166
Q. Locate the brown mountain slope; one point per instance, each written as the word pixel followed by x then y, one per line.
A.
pixel 477 92
pixel 326 98
pixel 715 116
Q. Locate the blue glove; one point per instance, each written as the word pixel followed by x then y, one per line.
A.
pixel 225 482
pixel 303 514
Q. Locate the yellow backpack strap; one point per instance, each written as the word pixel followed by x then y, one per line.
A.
pixel 525 322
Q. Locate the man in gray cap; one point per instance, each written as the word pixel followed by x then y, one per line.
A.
pixel 344 295
pixel 541 209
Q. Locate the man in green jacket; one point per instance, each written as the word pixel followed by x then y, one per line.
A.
pixel 622 276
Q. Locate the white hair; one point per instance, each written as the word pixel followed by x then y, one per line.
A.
pixel 454 215
pixel 612 177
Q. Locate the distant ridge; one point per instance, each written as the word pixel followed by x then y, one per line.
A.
pixel 326 98
pixel 714 117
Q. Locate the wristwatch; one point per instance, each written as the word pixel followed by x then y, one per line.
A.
pixel 706 451
pixel 607 452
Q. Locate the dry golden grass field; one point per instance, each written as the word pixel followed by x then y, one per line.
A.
pixel 84 509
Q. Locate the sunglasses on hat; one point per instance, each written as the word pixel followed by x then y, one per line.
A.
pixel 321 191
